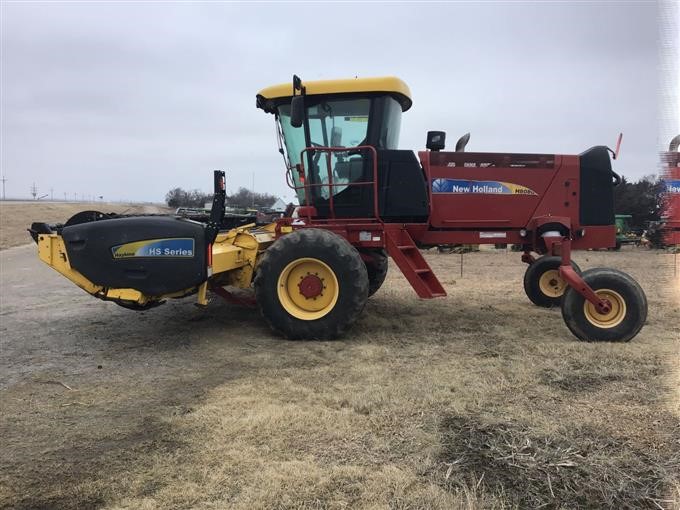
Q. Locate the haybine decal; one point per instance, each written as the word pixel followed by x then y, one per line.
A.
pixel 464 186
pixel 182 247
pixel 673 186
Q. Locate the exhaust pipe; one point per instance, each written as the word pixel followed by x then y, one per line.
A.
pixel 675 142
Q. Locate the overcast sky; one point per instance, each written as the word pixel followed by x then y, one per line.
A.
pixel 128 100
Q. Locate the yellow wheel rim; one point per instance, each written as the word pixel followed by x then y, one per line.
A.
pixel 308 289
pixel 552 284
pixel 606 320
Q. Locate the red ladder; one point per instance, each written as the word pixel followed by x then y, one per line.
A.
pixel 414 267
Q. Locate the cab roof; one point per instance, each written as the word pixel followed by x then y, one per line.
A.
pixel 270 97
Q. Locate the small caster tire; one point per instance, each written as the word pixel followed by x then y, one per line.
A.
pixel 542 281
pixel 628 308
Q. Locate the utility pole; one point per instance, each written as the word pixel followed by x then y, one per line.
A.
pixel 253 194
pixel 65 197
pixel 34 191
pixel 4 180
pixel 52 194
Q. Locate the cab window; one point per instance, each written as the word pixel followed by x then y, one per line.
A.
pixel 332 123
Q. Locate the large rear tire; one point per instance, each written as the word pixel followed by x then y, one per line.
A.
pixel 542 281
pixel 376 269
pixel 628 308
pixel 311 284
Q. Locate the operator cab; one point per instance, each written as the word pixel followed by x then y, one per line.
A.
pixel 364 117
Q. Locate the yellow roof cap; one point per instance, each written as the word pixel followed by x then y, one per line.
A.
pixel 389 84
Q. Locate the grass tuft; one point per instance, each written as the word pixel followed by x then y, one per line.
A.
pixel 573 467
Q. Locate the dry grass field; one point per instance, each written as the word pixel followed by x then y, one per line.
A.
pixel 16 217
pixel 479 400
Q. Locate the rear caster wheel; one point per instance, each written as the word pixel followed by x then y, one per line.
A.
pixel 311 284
pixel 628 308
pixel 542 281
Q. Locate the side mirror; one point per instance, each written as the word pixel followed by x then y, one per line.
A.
pixel 297 111
pixel 297 83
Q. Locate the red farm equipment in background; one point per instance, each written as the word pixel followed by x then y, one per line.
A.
pixel 671 202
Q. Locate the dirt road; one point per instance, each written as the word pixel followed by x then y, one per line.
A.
pixel 124 370
pixel 181 407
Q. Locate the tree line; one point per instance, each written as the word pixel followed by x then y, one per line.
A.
pixel 642 199
pixel 242 199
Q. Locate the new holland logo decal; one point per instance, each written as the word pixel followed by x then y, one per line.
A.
pixel 179 247
pixel 673 186
pixel 465 186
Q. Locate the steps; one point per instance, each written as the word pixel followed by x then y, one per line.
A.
pixel 414 267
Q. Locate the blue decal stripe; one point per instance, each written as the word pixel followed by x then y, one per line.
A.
pixel 177 247
pixel 465 186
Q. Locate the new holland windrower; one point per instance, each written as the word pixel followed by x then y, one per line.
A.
pixel 363 201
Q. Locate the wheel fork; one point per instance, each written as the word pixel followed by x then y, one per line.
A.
pixel 561 246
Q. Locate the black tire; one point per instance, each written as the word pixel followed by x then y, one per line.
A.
pixel 532 278
pixel 376 269
pixel 632 316
pixel 339 256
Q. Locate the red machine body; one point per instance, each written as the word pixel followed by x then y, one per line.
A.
pixel 350 177
pixel 508 195
pixel 532 200
pixel 671 203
